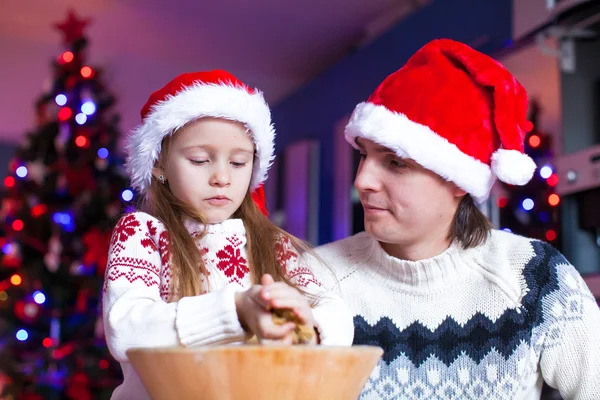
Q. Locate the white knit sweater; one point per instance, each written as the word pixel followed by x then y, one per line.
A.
pixel 137 285
pixel 487 323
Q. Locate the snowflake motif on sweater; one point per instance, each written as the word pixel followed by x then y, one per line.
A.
pixel 490 322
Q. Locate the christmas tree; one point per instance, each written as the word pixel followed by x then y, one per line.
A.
pixel 532 210
pixel 64 192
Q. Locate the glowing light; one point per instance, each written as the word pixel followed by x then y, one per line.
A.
pixel 534 141
pixel 22 335
pixel 60 99
pixel 550 235
pixel 86 72
pixel 81 118
pixel 17 225
pixel 88 108
pixel 102 153
pixel 552 180
pixel 502 202
pixel 16 280
pixel 67 56
pixel 39 297
pixel 81 141
pixel 9 181
pixel 553 199
pixel 528 204
pixel 64 113
pixel 39 209
pixel 127 195
pixel 545 171
pixel 21 171
pixel 47 342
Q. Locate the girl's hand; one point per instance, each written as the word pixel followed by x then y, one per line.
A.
pixel 279 295
pixel 255 317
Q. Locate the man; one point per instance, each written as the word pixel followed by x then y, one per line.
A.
pixel 461 310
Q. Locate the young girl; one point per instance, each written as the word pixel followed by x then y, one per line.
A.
pixel 202 265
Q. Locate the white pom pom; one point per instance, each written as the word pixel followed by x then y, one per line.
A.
pixel 512 166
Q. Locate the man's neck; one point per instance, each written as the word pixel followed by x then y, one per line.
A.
pixel 417 251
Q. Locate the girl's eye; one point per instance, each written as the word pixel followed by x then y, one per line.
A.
pixel 397 163
pixel 198 162
pixel 238 164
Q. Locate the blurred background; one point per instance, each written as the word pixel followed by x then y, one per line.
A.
pixel 74 75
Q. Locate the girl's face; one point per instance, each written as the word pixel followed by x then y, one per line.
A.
pixel 209 166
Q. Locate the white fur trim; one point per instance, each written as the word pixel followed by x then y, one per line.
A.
pixel 512 166
pixel 201 100
pixel 418 142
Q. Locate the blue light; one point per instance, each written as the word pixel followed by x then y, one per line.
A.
pixel 7 248
pixel 81 118
pixel 88 107
pixel 22 335
pixel 127 195
pixel 102 153
pixel 528 204
pixel 60 99
pixel 546 171
pixel 22 171
pixel 507 230
pixel 39 297
pixel 61 218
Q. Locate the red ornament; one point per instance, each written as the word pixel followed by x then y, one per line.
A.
pixel 72 28
pixel 78 386
pixel 96 244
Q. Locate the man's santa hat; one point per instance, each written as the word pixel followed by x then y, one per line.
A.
pixel 195 95
pixel 456 112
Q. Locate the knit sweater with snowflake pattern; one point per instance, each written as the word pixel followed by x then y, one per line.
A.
pixel 492 322
pixel 138 283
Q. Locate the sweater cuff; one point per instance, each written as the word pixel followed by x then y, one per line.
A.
pixel 209 318
pixel 333 331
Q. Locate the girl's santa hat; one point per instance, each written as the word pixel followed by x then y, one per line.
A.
pixel 195 95
pixel 456 112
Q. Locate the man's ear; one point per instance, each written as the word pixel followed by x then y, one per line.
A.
pixel 456 191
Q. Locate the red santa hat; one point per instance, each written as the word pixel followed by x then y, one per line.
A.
pixel 195 95
pixel 456 112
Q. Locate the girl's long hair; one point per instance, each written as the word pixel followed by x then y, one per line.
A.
pixel 267 244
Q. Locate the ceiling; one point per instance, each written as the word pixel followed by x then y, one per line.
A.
pixel 271 44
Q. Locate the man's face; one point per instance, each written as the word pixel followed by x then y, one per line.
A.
pixel 404 203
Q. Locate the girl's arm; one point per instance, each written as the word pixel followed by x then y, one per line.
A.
pixel 333 319
pixel 134 313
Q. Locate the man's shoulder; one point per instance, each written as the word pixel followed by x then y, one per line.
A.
pixel 345 251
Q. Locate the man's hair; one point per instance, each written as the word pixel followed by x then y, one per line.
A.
pixel 470 226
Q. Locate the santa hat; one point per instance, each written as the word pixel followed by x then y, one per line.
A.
pixel 191 96
pixel 456 112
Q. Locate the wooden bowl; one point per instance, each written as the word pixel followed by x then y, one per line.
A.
pixel 255 372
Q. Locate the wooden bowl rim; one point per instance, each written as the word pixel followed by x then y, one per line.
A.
pixel 263 348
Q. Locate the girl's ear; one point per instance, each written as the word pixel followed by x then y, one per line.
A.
pixel 157 172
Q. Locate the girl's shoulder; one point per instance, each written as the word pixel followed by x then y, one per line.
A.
pixel 138 223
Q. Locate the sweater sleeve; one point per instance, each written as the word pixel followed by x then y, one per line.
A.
pixel 134 312
pixel 332 316
pixel 570 355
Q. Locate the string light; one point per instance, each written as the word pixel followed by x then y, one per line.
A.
pixel 39 297
pixel 502 202
pixel 64 114
pixel 528 204
pixel 550 235
pixel 47 342
pixel 16 280
pixel 39 209
pixel 102 153
pixel 3 296
pixel 88 108
pixel 127 195
pixel 22 335
pixel 552 180
pixel 81 118
pixel 60 99
pixel 86 72
pixel 21 171
pixel 67 56
pixel 17 225
pixel 546 172
pixel 103 364
pixel 9 181
pixel 553 199
pixel 81 141
pixel 534 141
